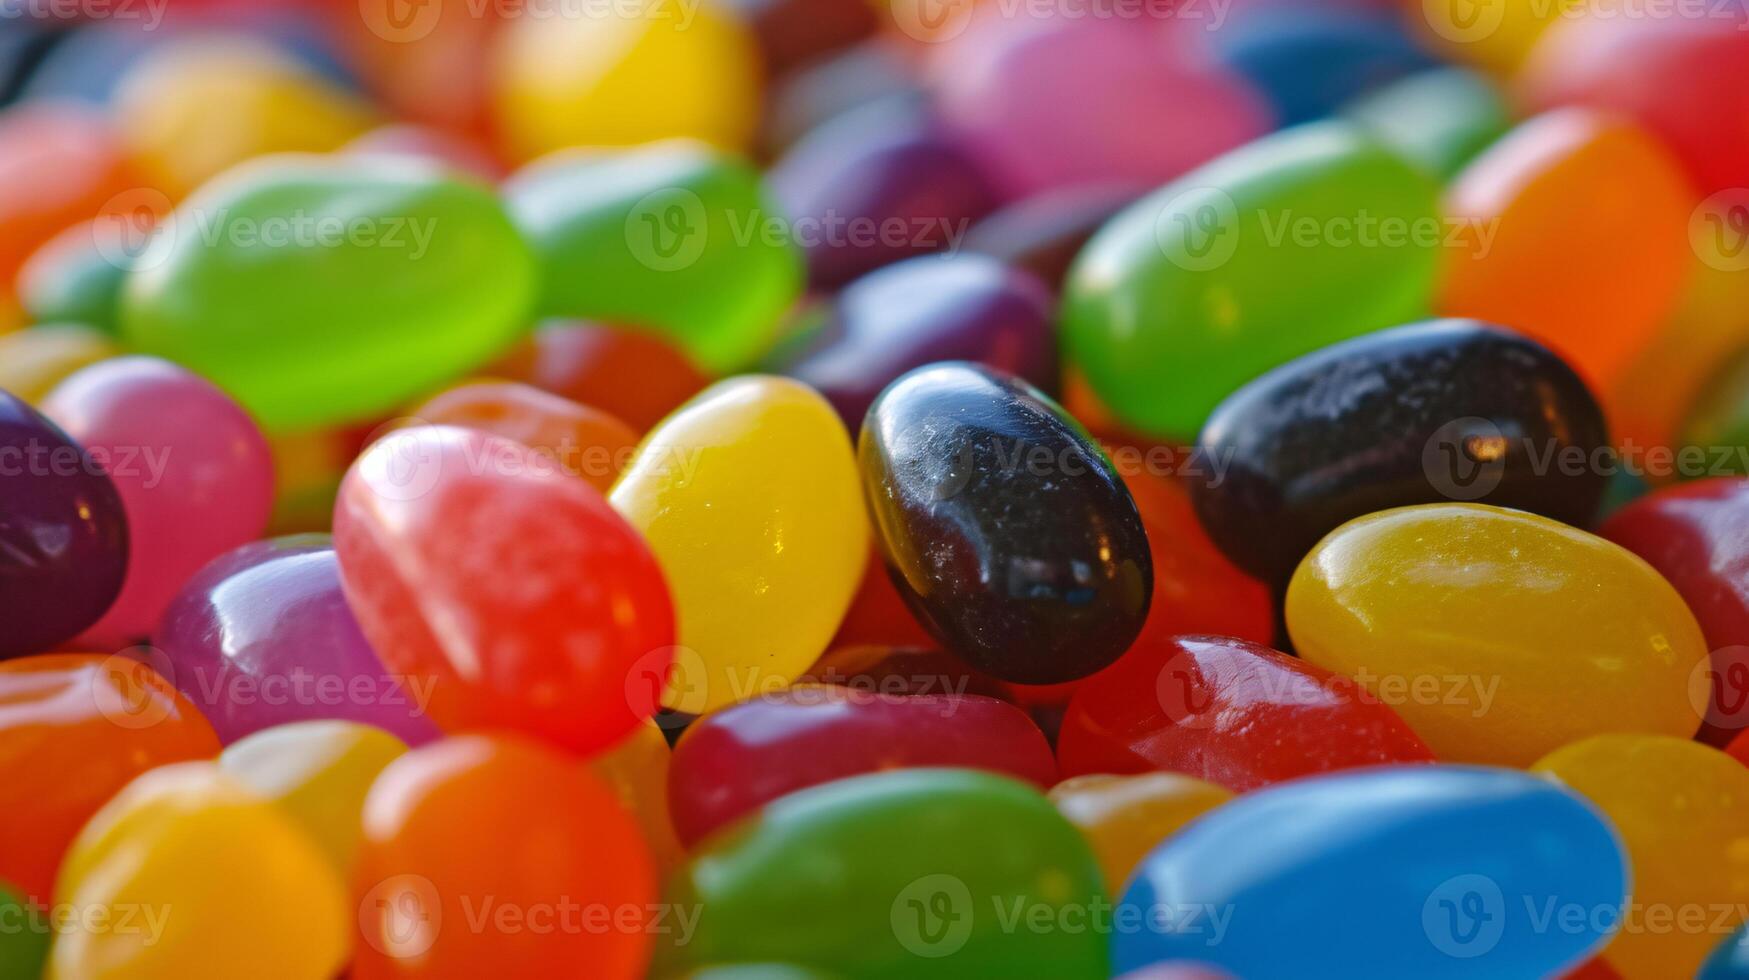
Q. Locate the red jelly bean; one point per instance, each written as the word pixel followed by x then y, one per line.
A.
pixel 736 760
pixel 1697 536
pixel 1228 711
pixel 877 615
pixel 1196 588
pixel 533 604
pixel 634 375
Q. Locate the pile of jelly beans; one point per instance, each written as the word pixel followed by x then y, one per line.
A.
pixel 874 489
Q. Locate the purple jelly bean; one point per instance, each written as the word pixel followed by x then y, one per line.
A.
pixel 63 533
pixel 934 308
pixel 262 636
pixel 1043 233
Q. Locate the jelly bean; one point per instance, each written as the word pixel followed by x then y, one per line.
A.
pixel 426 280
pixel 655 69
pixel 22 49
pixel 1447 410
pixel 894 875
pixel 262 637
pixel 1043 233
pixel 733 761
pixel 1717 425
pixel 1693 535
pixel 1433 871
pixel 792 33
pixel 1729 960
pixel 1547 243
pixel 194 473
pixel 432 63
pixel 637 772
pixel 1023 98
pixel 868 73
pixel 662 230
pixel 749 498
pixel 633 375
pixel 71 279
pixel 1308 62
pixel 58 165
pixel 1203 285
pixel 957 460
pixel 1440 118
pixel 1679 77
pixel 34 360
pixel 77 728
pixel 1681 808
pixel 1177 970
pixel 878 614
pixel 1668 382
pixel 318 772
pixel 64 529
pixel 1196 589
pixel 1496 38
pixel 24 945
pixel 900 670
pixel 930 309
pixel 190 109
pixel 1125 817
pixel 86 64
pixel 1234 713
pixel 199 856
pixel 561 847
pixel 433 145
pixel 876 185
pixel 574 438
pixel 1522 634
pixel 553 639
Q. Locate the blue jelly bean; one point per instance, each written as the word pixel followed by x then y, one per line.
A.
pixel 1730 961
pixel 1307 64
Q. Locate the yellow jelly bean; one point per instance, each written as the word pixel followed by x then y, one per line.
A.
pixel 657 68
pixel 319 772
pixel 191 109
pixel 1125 817
pixel 35 359
pixel 187 875
pixel 637 772
pixel 750 498
pixel 1498 635
pixel 1682 809
pixel 1494 35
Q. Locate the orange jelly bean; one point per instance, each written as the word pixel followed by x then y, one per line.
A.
pixel 494 857
pixel 74 729
pixel 578 439
pixel 1574 229
pixel 634 375
pixel 59 164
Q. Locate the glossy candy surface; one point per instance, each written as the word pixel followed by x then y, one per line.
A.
pixel 262 636
pixel 1196 588
pixel 76 728
pixel 1729 960
pixel 513 590
pixel 748 496
pixel 192 468
pixel 322 290
pixel 1433 871
pixel 1681 809
pixel 1505 635
pixel 1234 713
pixel 926 310
pixel 1447 410
pixel 663 231
pixel 566 887
pixel 836 877
pixel 204 855
pixel 1258 257
pixel 735 760
pixel 633 375
pixel 573 438
pixel 1126 817
pixel 1694 534
pixel 1565 184
pixel 63 534
pixel 955 458
pixel 1440 118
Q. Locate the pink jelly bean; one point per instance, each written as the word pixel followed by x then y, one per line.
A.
pixel 194 472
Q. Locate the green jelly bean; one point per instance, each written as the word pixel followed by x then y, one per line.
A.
pixel 673 236
pixel 911 873
pixel 72 280
pixel 24 937
pixel 1289 244
pixel 1718 422
pixel 1439 119
pixel 324 290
